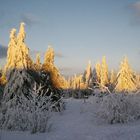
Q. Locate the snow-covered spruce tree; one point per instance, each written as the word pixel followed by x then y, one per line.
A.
pixel 20 75
pixel 18 53
pixel 112 77
pixel 11 51
pixel 38 64
pixel 104 72
pixel 98 72
pixel 19 83
pixel 2 78
pixel 138 80
pixel 82 81
pixel 49 89
pixel 94 77
pixel 125 78
pixel 73 83
pixel 112 80
pixel 23 59
pixel 69 82
pixel 79 84
pixel 48 66
pixel 88 75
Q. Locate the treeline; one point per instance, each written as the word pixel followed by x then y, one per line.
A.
pixel 125 80
pixel 18 57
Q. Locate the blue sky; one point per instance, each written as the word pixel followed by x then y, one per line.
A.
pixel 78 30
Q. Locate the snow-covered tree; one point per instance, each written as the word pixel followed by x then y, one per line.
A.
pixel 11 50
pixel 18 53
pixel 104 72
pixel 19 63
pixel 98 72
pixel 77 82
pixel 125 78
pixel 19 83
pixel 112 77
pixel 137 80
pixel 38 64
pixel 112 80
pixel 23 59
pixel 88 74
pixel 2 78
pixel 49 55
pixel 57 79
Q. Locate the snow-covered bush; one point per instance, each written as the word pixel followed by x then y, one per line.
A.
pixel 23 114
pixel 26 115
pixel 119 108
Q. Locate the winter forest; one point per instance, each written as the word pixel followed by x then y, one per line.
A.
pixel 31 92
pixel 93 101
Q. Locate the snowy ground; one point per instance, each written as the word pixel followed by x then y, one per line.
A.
pixel 79 122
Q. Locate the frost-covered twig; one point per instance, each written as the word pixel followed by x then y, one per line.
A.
pixel 102 87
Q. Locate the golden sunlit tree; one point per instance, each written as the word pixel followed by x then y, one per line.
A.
pixel 2 78
pixel 75 82
pixel 125 78
pixel 112 77
pixel 98 72
pixel 38 64
pixel 88 74
pixel 82 81
pixel 69 82
pixel 11 50
pixel 78 82
pixel 18 53
pixel 104 72
pixel 49 56
pixel 23 59
pixel 138 80
pixel 57 79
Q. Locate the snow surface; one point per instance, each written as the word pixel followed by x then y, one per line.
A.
pixel 79 122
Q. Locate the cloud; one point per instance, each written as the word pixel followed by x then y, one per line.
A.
pixel 29 19
pixel 3 51
pixel 135 7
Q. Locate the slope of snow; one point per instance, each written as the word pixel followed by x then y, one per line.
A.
pixel 79 122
